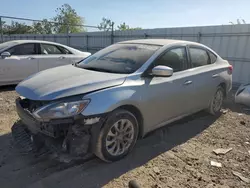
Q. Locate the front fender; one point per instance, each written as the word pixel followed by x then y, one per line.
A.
pixel 109 99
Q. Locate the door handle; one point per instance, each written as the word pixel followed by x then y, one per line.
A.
pixel 31 58
pixel 215 75
pixel 188 82
pixel 61 57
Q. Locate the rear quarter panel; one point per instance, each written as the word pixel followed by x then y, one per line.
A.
pixel 224 76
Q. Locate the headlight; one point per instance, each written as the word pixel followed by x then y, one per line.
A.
pixel 61 110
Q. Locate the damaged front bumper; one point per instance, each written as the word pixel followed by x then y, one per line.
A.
pixel 76 135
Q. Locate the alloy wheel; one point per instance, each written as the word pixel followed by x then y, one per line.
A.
pixel 218 100
pixel 119 137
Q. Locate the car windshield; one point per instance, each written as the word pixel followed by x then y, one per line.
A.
pixel 119 58
pixel 6 44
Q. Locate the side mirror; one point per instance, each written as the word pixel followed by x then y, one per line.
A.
pixel 162 71
pixel 5 54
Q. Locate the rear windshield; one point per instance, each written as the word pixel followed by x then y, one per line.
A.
pixel 119 58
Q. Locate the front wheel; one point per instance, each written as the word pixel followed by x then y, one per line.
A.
pixel 118 136
pixel 216 102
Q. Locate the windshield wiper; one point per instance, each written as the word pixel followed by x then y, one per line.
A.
pixel 103 70
pixel 98 69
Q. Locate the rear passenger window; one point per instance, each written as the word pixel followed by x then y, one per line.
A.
pixel 199 57
pixel 64 50
pixel 213 57
pixel 50 49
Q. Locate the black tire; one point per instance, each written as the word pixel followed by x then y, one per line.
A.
pixel 100 147
pixel 211 109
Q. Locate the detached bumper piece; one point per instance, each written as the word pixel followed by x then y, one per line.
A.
pixel 22 138
pixel 63 136
pixel 242 95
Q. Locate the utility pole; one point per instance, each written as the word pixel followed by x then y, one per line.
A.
pixel 112 33
pixel 1 28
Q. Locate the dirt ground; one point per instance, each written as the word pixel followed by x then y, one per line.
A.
pixel 176 156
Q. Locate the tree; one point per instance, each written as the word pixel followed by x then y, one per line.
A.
pixel 68 20
pixel 105 25
pixel 238 22
pixel 124 27
pixel 17 28
pixel 44 27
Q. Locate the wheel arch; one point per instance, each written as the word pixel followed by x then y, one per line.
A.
pixel 223 85
pixel 135 111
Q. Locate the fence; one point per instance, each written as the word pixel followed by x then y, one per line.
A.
pixel 232 42
pixel 10 27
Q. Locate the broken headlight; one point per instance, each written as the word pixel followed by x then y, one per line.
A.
pixel 61 110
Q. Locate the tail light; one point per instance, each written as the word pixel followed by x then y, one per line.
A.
pixel 230 69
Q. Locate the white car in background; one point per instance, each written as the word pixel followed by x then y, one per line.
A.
pixel 22 58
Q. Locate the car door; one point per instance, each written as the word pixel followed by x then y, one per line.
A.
pixel 71 57
pixel 51 56
pixel 22 63
pixel 205 75
pixel 168 98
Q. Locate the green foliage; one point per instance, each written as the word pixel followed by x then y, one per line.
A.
pixel 68 20
pixel 124 27
pixel 16 28
pixel 105 25
pixel 44 27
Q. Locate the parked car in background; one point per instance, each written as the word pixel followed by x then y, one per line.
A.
pixel 106 102
pixel 21 58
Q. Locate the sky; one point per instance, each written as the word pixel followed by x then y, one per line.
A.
pixel 137 13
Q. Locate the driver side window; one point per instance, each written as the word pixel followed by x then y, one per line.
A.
pixel 23 49
pixel 175 58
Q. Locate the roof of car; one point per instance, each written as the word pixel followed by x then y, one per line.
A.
pixel 32 41
pixel 161 42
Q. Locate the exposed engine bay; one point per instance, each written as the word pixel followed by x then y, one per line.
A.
pixel 71 136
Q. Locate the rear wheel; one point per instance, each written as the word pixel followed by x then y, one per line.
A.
pixel 217 101
pixel 118 136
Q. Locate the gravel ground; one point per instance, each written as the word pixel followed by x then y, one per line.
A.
pixel 176 156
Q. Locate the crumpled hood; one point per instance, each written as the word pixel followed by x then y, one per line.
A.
pixel 66 81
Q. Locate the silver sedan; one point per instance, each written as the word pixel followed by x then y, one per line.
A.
pixel 123 92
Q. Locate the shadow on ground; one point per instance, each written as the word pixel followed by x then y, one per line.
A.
pixel 28 171
pixel 7 88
